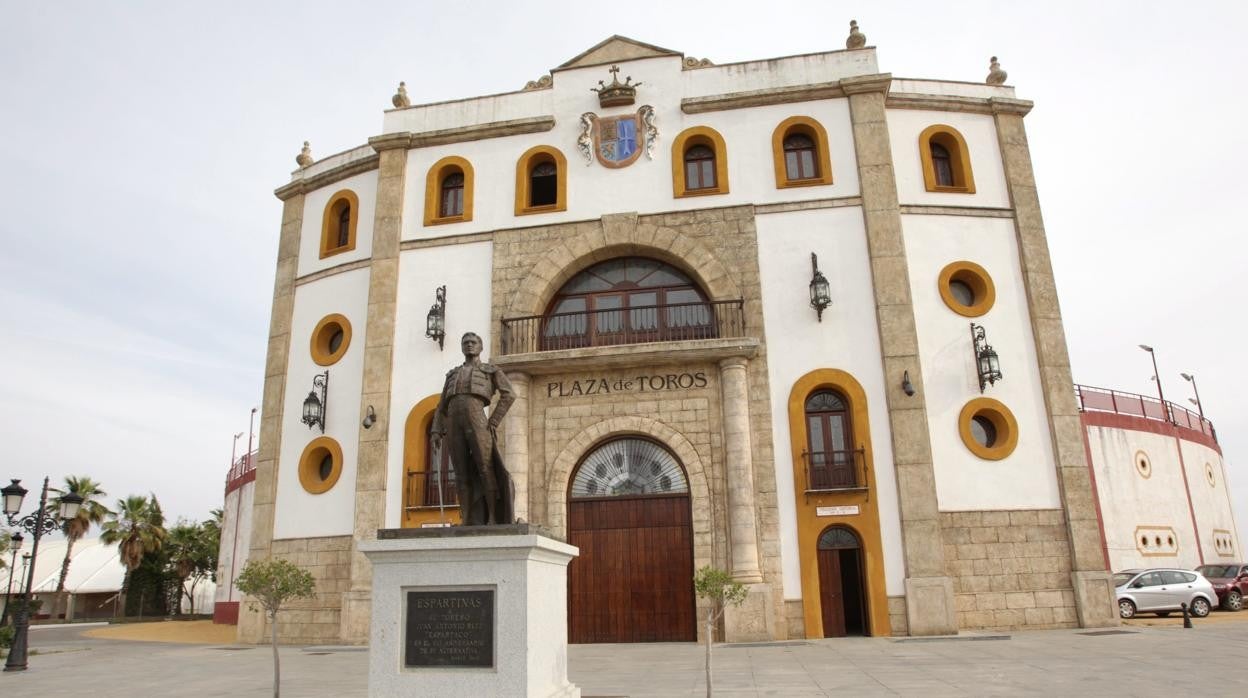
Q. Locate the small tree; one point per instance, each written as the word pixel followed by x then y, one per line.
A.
pixel 272 583
pixel 718 587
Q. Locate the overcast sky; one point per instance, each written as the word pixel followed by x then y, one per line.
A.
pixel 140 143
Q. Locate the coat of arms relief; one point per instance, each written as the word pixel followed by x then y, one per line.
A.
pixel 617 141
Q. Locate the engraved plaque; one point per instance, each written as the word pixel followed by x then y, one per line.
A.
pixel 449 628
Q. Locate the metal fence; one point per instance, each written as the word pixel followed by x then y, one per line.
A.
pixel 613 326
pixel 1115 401
pixel 835 470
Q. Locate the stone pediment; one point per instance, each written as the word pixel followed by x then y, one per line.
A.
pixel 616 49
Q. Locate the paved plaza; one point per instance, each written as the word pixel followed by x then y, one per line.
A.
pixel 1148 658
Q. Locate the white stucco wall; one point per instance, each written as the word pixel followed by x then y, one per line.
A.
pixel 980 133
pixel 235 540
pixel 365 187
pixel 1211 502
pixel 298 513
pixel 1130 501
pixel 846 339
pixel 419 367
pixel 1027 479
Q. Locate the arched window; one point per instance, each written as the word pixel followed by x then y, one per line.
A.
pixel 339 223
pixel 425 469
pixel 946 161
pixel 699 163
pixel 628 467
pixel 831 460
pixel 800 150
pixel 541 181
pixel 699 168
pixel 439 480
pixel 628 300
pixel 448 191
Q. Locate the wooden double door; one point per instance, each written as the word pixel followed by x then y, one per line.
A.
pixel 633 581
pixel 842 596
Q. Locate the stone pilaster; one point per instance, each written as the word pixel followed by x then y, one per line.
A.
pixel 930 606
pixel 251 624
pixel 370 479
pixel 516 442
pixel 738 454
pixel 1094 594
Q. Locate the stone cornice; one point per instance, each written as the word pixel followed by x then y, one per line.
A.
pixel 955 103
pixel 334 270
pixel 628 355
pixel 970 211
pixel 476 132
pixel 786 95
pixel 320 179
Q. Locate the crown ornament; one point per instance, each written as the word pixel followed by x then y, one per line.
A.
pixel 617 94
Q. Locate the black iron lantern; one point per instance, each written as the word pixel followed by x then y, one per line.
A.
pixel 13 493
pixel 820 292
pixel 71 502
pixel 435 321
pixel 15 542
pixel 315 406
pixel 987 364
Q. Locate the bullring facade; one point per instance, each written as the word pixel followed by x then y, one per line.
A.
pixel 642 262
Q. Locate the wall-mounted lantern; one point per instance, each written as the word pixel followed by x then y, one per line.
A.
pixel 906 386
pixel 370 418
pixel 986 361
pixel 820 294
pixel 315 406
pixel 435 321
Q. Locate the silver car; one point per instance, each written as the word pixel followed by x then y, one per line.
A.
pixel 1161 591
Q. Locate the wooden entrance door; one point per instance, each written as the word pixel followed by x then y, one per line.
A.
pixel 841 593
pixel 629 514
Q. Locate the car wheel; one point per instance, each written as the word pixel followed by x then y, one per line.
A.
pixel 1234 601
pixel 1126 609
pixel 1163 614
pixel 1200 607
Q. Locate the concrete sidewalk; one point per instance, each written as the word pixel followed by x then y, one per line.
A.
pixel 1132 661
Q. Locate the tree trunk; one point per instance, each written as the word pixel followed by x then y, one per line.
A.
pixel 710 638
pixel 277 672
pixel 125 590
pixel 69 548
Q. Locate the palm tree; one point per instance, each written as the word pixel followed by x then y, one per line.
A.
pixel 91 512
pixel 138 528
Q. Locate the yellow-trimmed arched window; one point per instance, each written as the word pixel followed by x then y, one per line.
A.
pixel 799 148
pixel 448 191
pixel 699 163
pixel 338 224
pixel 946 161
pixel 541 181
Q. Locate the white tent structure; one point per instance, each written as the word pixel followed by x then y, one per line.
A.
pixel 95 577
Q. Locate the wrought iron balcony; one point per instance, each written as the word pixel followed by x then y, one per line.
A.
pixel 829 471
pixel 423 489
pixel 614 326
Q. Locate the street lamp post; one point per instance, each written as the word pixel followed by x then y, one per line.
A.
pixel 1192 379
pixel 37 523
pixel 15 542
pixel 1165 412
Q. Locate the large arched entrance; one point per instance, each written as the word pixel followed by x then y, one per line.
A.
pixel 841 593
pixel 629 513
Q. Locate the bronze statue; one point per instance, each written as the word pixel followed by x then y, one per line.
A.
pixel 485 489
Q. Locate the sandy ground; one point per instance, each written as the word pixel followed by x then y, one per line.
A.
pixel 194 632
pixel 1176 619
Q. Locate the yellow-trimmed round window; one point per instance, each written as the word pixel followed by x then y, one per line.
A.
pixel 988 428
pixel 1143 465
pixel 330 339
pixel 967 289
pixel 320 465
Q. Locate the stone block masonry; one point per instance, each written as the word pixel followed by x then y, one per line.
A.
pixel 1010 569
pixel 315 621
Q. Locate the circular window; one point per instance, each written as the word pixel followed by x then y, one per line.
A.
pixel 1143 465
pixel 988 428
pixel 320 465
pixel 967 289
pixel 1213 481
pixel 330 339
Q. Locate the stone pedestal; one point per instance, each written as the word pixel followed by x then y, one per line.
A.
pixel 469 610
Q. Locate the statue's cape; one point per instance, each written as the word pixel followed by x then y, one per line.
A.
pixel 506 508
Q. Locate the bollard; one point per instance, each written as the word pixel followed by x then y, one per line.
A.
pixel 1187 615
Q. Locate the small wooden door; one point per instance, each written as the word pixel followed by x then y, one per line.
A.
pixel 842 597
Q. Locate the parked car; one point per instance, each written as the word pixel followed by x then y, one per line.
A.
pixel 1230 581
pixel 1161 591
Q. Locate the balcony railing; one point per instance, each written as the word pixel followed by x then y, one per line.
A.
pixel 597 328
pixel 422 489
pixel 1103 400
pixel 828 471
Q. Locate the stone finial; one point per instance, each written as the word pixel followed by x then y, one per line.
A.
pixel 304 158
pixel 692 63
pixel 539 84
pixel 996 76
pixel 400 99
pixel 856 38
